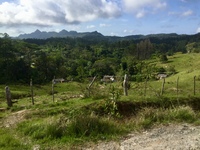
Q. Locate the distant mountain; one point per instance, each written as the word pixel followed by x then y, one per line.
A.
pixel 62 34
pixel 96 36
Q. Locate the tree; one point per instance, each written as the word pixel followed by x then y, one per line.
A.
pixel 104 67
pixel 144 49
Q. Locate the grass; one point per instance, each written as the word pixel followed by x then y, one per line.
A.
pixel 9 141
pixel 74 118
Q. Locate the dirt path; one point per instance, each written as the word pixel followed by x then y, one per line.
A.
pixel 171 137
pixel 13 119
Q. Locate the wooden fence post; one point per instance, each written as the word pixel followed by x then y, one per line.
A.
pixel 125 85
pixel 177 86
pixel 163 85
pixel 8 96
pixel 53 83
pixel 90 85
pixel 194 85
pixel 31 87
pixel 145 87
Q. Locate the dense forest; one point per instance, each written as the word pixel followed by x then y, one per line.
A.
pixel 80 58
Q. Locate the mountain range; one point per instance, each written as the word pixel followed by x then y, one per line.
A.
pixel 62 34
pixel 93 35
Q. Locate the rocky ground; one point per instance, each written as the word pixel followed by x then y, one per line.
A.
pixel 171 137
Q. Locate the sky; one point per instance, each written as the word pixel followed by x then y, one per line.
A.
pixel 109 17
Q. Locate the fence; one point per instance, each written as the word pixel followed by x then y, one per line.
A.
pixel 164 87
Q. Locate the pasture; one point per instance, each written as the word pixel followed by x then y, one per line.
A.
pixel 75 118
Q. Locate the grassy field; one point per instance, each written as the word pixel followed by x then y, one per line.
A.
pixel 74 118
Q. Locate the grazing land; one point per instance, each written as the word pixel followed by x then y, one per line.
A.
pixel 78 120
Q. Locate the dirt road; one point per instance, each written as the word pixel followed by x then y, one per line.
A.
pixel 171 137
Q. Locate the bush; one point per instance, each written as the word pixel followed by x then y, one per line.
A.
pixel 161 70
pixel 163 58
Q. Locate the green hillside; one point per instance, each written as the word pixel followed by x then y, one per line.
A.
pixel 186 66
pixel 82 114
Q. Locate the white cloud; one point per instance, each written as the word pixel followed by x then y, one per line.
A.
pixel 90 26
pixel 138 6
pixel 132 5
pixel 104 25
pixel 140 14
pixel 128 31
pixel 198 30
pixel 182 14
pixel 51 12
pixel 187 13
pixel 113 34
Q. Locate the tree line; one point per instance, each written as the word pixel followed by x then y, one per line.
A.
pixel 80 58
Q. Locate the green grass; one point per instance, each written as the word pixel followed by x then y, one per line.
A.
pixel 10 141
pixel 74 118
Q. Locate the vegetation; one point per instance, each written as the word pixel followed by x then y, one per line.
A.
pixel 80 114
pixel 80 58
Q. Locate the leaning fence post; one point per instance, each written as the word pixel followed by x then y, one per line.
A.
pixel 8 96
pixel 125 85
pixel 31 87
pixel 90 85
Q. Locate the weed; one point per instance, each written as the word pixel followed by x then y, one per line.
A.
pixel 111 107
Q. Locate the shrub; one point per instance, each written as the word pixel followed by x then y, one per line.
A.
pixel 163 58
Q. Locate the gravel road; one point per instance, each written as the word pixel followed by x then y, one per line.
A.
pixel 171 137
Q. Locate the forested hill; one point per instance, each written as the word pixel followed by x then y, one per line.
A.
pixel 88 55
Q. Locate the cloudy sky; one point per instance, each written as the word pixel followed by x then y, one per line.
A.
pixel 109 17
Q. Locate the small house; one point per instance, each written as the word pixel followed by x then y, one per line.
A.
pixel 161 76
pixel 58 80
pixel 108 78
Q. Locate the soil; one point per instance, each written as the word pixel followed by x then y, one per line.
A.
pixel 13 119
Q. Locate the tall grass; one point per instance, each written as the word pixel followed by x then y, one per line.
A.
pixel 8 141
pixel 84 127
pixel 150 116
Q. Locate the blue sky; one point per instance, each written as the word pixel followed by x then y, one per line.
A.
pixel 109 17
